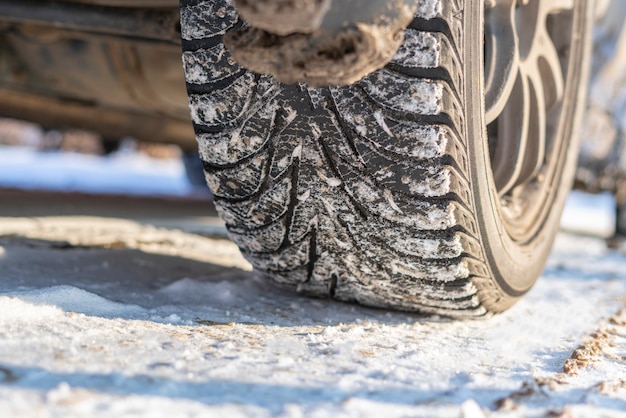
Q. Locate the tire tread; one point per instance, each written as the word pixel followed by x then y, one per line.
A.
pixel 359 193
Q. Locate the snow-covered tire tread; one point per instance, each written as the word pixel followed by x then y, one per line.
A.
pixel 360 193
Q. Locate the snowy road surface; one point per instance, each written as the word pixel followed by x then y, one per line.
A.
pixel 133 310
pixel 109 312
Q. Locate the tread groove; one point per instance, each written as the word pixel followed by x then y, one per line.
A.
pixel 208 88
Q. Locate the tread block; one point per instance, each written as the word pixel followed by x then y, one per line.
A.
pixel 207 19
pixel 233 146
pixel 419 50
pixel 240 182
pixel 269 207
pixel 406 94
pixel 209 65
pixel 222 107
pixel 263 240
pixel 405 138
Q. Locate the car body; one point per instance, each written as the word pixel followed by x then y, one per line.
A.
pixel 108 66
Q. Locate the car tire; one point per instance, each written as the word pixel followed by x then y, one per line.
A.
pixel 396 191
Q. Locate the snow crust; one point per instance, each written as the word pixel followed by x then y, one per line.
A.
pixel 225 343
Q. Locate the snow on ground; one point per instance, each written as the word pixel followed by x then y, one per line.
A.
pixel 124 172
pixel 106 317
pixel 590 214
pixel 94 331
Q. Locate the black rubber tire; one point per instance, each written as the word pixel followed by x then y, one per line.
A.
pixel 379 193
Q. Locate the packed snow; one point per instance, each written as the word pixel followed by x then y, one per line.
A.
pixel 226 343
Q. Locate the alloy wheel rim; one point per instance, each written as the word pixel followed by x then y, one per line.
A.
pixel 528 45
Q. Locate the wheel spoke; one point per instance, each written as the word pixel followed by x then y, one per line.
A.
pixel 548 67
pixel 545 53
pixel 513 124
pixel 555 6
pixel 524 80
pixel 536 144
pixel 501 57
